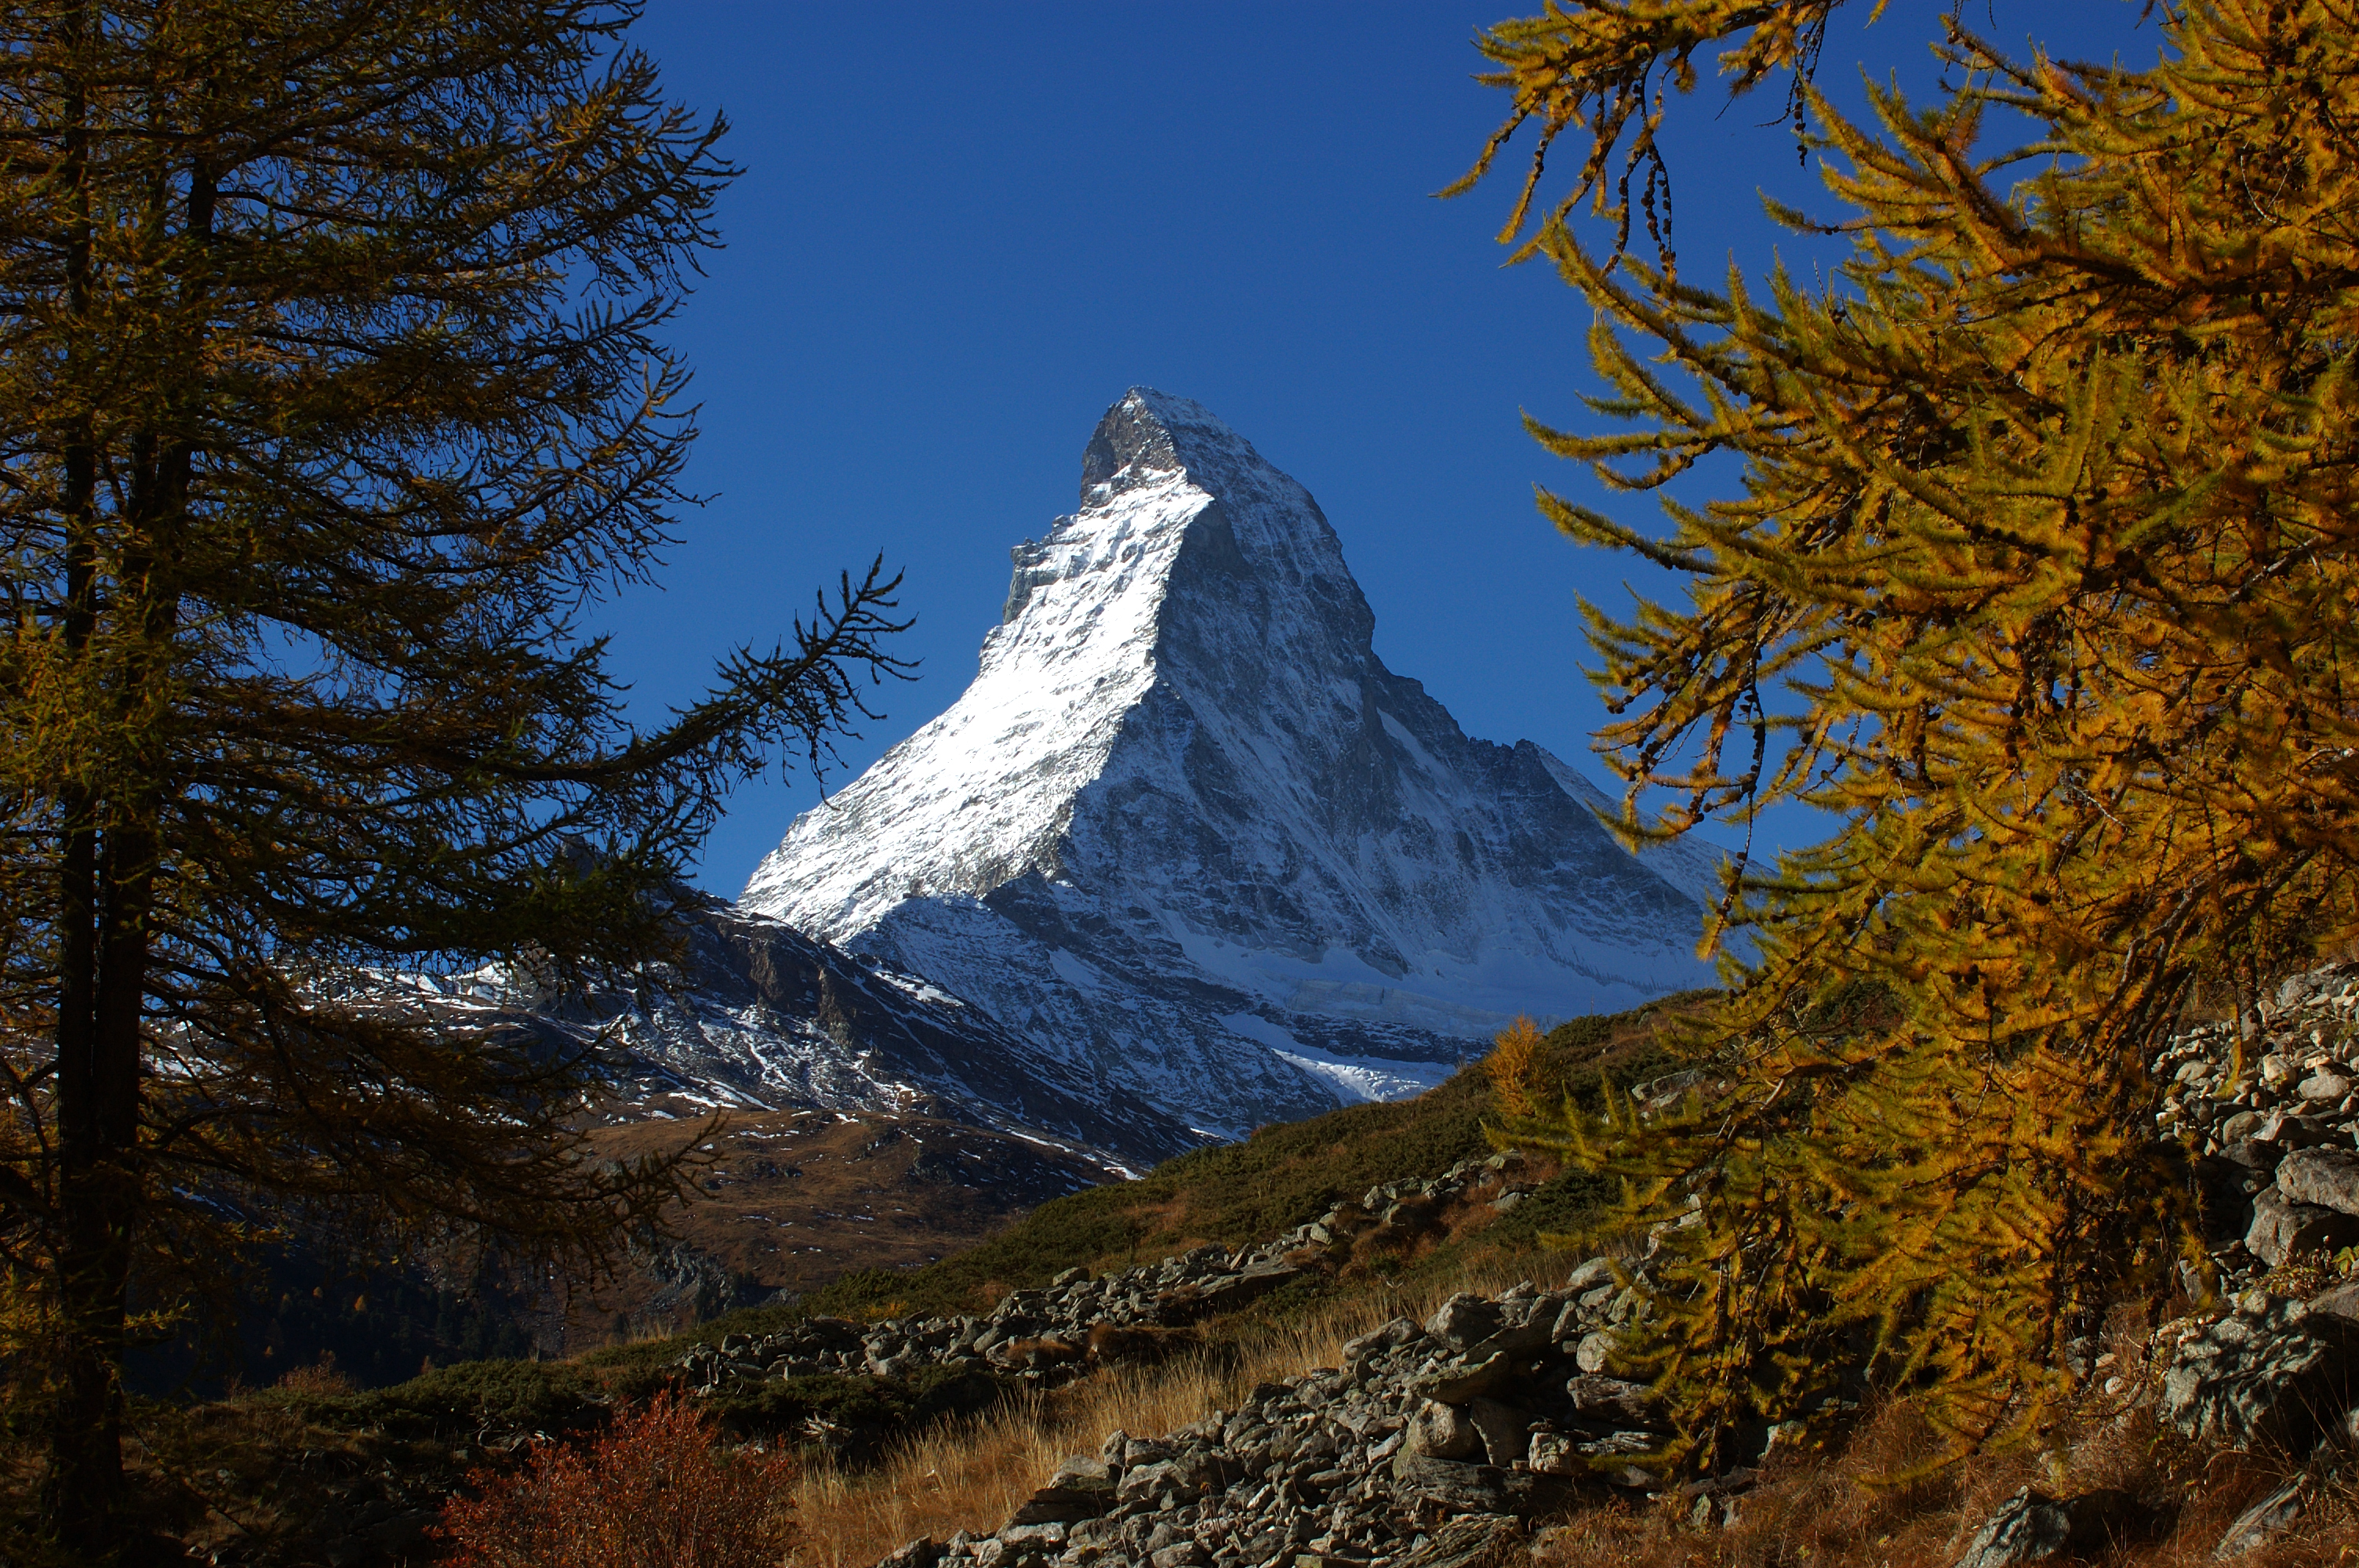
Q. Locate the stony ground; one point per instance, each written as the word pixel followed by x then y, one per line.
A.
pixel 2274 1121
pixel 1439 1444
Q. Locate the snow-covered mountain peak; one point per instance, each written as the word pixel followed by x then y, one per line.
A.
pixel 1150 434
pixel 1186 832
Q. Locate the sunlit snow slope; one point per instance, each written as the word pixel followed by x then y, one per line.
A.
pixel 1187 836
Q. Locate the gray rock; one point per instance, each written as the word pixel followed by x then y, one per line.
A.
pixel 2027 1527
pixel 2240 1127
pixel 1454 1383
pixel 1081 1488
pixel 1463 1321
pixel 2259 1154
pixel 1027 1538
pixel 1476 1540
pixel 1596 1271
pixel 1505 1431
pixel 2342 1301
pixel 2283 1229
pixel 1517 1341
pixel 2275 1376
pixel 1596 1352
pixel 1455 1487
pixel 1145 1483
pixel 1441 1431
pixel 2327 1178
pixel 2324 1087
pixel 1611 1399
pixel 2264 1521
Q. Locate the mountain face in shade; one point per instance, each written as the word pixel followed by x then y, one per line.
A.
pixel 756 1016
pixel 1186 837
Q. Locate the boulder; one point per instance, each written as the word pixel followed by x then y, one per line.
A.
pixel 1556 1454
pixel 1596 1271
pixel 1505 1431
pixel 922 1552
pixel 2324 1087
pixel 1609 1401
pixel 1030 1540
pixel 2270 1374
pixel 1518 1342
pixel 1596 1352
pixel 1145 1483
pixel 2327 1178
pixel 1229 1292
pixel 2031 1526
pixel 2282 1229
pixel 1440 1431
pixel 1463 1321
pixel 1081 1488
pixel 1454 1383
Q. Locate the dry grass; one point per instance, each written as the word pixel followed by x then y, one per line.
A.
pixel 1826 1511
pixel 971 1475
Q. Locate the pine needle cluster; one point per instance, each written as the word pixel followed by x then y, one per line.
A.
pixel 2040 580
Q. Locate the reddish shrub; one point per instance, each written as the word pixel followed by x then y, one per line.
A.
pixel 652 1493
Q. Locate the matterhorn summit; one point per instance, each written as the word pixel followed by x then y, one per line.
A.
pixel 1185 836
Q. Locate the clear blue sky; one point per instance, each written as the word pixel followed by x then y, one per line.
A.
pixel 963 232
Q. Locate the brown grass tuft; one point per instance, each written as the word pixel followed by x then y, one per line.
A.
pixel 319 1381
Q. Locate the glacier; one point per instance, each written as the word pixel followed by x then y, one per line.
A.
pixel 1187 842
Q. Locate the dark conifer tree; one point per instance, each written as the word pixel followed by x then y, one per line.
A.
pixel 331 397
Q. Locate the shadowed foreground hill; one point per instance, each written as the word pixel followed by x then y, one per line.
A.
pixel 313 1469
pixel 1280 1177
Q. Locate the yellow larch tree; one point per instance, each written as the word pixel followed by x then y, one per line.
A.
pixel 2038 578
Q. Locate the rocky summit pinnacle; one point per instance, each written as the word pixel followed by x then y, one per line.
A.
pixel 1187 836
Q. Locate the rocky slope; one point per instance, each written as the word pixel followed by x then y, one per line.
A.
pixel 1445 1442
pixel 1450 1440
pixel 757 1016
pixel 1187 839
pixel 2276 1136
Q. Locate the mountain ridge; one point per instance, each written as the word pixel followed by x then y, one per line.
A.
pixel 1186 834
